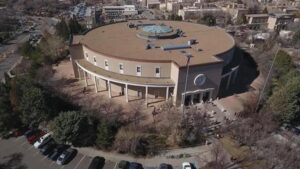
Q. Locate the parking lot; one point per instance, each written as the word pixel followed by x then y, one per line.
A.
pixel 19 152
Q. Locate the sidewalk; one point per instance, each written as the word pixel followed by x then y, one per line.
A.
pixel 199 156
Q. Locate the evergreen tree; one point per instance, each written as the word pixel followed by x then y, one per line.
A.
pixel 105 135
pixel 75 27
pixel 62 29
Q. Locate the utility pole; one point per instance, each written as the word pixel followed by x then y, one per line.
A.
pixel 188 57
pixel 267 79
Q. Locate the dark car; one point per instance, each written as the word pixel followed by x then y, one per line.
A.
pixel 165 166
pixel 66 156
pixel 134 165
pixel 97 163
pixel 30 132
pixel 48 148
pixel 57 151
pixel 123 165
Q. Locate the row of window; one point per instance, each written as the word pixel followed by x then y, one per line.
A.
pixel 121 68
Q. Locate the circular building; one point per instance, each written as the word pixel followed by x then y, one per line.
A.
pixel 154 60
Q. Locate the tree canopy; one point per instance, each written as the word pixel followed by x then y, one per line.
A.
pixel 33 106
pixel 69 127
pixel 285 102
pixel 105 135
pixel 208 19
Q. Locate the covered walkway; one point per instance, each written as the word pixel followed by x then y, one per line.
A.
pixel 143 87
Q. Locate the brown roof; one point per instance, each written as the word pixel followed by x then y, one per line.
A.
pixel 120 41
pixel 125 78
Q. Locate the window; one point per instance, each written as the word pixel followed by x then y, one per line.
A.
pixel 157 72
pixel 106 64
pixel 95 61
pixel 87 56
pixel 138 70
pixel 121 68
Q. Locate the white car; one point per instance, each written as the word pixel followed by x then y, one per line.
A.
pixel 41 140
pixel 186 165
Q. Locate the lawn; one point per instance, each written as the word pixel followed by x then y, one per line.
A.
pixel 2 3
pixel 240 153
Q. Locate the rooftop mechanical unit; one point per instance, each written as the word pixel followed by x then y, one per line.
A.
pixel 174 47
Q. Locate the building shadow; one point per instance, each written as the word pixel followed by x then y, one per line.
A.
pixel 248 72
pixel 13 161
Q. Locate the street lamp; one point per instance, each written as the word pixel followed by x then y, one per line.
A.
pixel 267 78
pixel 188 58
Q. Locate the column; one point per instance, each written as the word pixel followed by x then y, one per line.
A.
pixel 201 97
pixel 228 81
pixel 210 95
pixel 235 75
pixel 167 93
pixel 96 84
pixel 126 92
pixel 109 89
pixel 146 96
pixel 79 73
pixel 85 78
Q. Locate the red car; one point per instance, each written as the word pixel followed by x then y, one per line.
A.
pixel 32 139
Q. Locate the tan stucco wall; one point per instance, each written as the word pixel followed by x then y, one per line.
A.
pixel 213 78
pixel 76 52
pixel 148 69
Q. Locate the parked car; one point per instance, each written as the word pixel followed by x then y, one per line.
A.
pixel 165 166
pixel 66 156
pixel 186 165
pixel 42 141
pixel 48 148
pixel 57 151
pixel 123 165
pixel 32 139
pixel 134 165
pixel 97 163
pixel 30 132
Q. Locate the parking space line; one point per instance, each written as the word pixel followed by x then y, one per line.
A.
pixel 43 158
pixel 23 143
pixel 115 166
pixel 35 154
pixel 51 163
pixel 29 148
pixel 79 162
pixel 19 138
pixel 62 167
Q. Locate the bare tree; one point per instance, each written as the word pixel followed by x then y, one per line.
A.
pixel 278 155
pixel 219 156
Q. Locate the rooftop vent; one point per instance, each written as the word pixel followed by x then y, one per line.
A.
pixel 192 42
pixel 174 47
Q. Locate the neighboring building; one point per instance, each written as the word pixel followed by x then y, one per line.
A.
pixel 119 12
pixel 148 60
pixel 173 7
pixel 235 10
pixel 152 4
pixel 257 21
pixel 275 21
pixel 189 11
pixel 279 21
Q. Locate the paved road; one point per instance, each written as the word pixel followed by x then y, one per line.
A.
pixel 24 154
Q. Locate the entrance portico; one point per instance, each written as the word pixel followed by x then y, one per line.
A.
pixel 197 96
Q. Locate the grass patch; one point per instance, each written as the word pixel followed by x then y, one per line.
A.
pixel 2 3
pixel 240 153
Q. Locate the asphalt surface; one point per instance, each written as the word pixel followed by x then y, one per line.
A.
pixel 20 154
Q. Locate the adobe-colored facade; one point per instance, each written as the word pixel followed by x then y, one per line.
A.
pixel 148 60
